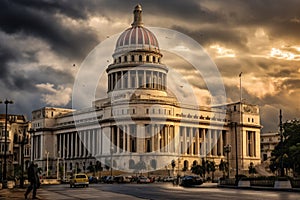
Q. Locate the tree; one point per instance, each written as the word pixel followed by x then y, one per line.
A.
pixel 198 169
pixel 223 167
pixel 173 164
pixel 289 150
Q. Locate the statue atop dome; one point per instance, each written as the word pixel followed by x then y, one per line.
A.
pixel 137 20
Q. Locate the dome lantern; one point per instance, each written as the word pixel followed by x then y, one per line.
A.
pixel 137 20
pixel 137 37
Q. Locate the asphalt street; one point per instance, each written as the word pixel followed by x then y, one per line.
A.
pixel 158 191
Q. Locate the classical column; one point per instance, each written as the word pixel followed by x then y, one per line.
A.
pixel 79 143
pixel 208 133
pixel 118 150
pixel 71 146
pixel 128 138
pixel 184 140
pixel 144 79
pixel 157 135
pixel 68 145
pixel 76 144
pixel 136 79
pixel 197 141
pixel 165 147
pixel 124 139
pixel 220 142
pixel 151 80
pixel 204 151
pixel 215 142
pixel 152 137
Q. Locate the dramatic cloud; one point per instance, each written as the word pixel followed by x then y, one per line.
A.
pixel 55 97
pixel 43 43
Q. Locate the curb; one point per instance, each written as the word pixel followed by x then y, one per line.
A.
pixel 261 188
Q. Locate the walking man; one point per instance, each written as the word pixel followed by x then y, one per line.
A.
pixel 33 178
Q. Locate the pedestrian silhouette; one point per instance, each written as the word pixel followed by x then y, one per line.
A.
pixel 34 180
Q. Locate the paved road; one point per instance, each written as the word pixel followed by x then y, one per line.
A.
pixel 158 191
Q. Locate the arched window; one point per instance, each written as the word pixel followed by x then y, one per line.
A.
pixel 147 58
pixel 154 59
pixel 125 58
pixel 132 58
pixel 140 58
pixel 119 59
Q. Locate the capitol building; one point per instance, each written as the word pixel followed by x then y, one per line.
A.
pixel 140 125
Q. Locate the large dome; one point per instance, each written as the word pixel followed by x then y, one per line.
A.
pixel 137 37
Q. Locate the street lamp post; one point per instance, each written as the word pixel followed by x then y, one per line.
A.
pixel 227 150
pixel 57 166
pixel 6 102
pixel 236 156
pixel 23 142
pixel 111 161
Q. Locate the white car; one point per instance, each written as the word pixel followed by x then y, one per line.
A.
pixel 143 180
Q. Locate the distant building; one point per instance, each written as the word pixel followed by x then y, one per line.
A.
pixel 268 142
pixel 17 127
pixel 140 124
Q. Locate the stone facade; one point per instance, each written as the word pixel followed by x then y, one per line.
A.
pixel 268 143
pixel 17 127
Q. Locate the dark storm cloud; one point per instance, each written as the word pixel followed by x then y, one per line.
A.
pixel 208 36
pixel 41 22
pixel 19 80
pixel 292 83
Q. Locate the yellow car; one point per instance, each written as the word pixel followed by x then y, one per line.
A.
pixel 79 180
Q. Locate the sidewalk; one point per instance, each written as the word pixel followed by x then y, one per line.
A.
pixel 15 193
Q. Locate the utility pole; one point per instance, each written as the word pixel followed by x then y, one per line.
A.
pixel 281 142
pixel 6 102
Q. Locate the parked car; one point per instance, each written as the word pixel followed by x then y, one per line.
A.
pixel 189 181
pixel 79 180
pixel 143 180
pixel 168 179
pixel 93 179
pixel 109 179
pixel 122 179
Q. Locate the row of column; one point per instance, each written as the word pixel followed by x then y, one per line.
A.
pixel 79 144
pixel 200 141
pixel 137 79
pixel 143 138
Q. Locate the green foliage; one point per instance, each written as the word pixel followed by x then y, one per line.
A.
pixel 290 152
pixel 198 169
pixel 205 167
pixel 223 167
